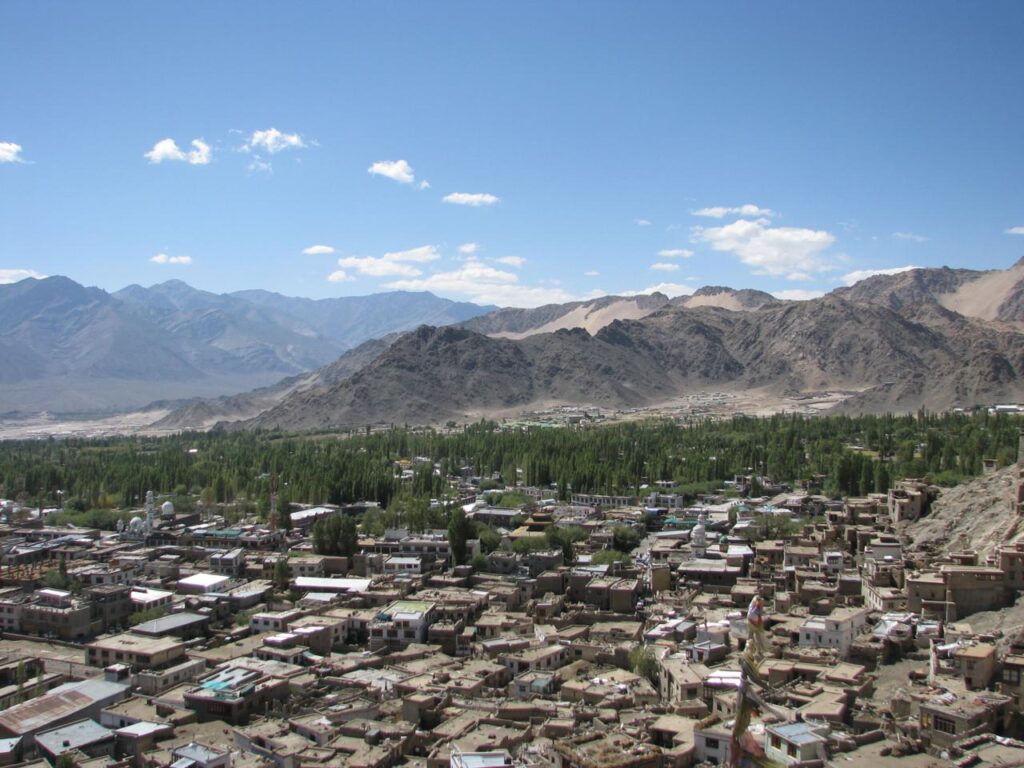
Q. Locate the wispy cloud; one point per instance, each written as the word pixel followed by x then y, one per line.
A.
pixel 791 252
pixel 391 264
pixel 339 276
pixel 720 211
pixel 675 253
pixel 663 266
pixel 484 284
pixel 10 152
pixel 642 222
pixel 669 289
pixel 163 258
pixel 474 199
pixel 863 274
pixel 8 276
pixel 512 261
pixel 1014 231
pixel 468 249
pixel 797 294
pixel 592 273
pixel 910 236
pixel 396 170
pixel 168 150
pixel 318 250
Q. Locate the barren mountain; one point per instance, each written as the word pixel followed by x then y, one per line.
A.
pixel 351 320
pixel 726 298
pixel 72 349
pixel 591 316
pixel 204 413
pixel 934 358
pixel 983 295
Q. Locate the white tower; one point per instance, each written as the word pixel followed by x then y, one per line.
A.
pixel 150 511
pixel 699 536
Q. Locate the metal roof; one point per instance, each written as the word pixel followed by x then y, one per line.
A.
pixel 73 736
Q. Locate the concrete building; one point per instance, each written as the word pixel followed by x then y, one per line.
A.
pixel 235 693
pixel 85 736
pixel 794 743
pixel 956 591
pixel 836 631
pixel 137 651
pixel 402 623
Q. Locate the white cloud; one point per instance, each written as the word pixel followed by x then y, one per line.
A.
pixel 910 236
pixel 163 258
pixel 338 276
pixel 797 294
pixel 675 253
pixel 863 274
pixel 422 253
pixel 792 252
pixel 8 276
pixel 10 152
pixel 469 248
pixel 669 289
pixel 642 222
pixel 512 261
pixel 719 211
pixel 391 264
pixel 1014 231
pixel 374 267
pixel 397 170
pixel 474 199
pixel 662 266
pixel 424 184
pixel 591 273
pixel 318 250
pixel 484 284
pixel 168 149
pixel 273 141
pixel 200 154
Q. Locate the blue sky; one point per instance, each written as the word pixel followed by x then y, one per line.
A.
pixel 571 149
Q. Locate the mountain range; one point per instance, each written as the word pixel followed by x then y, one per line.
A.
pixel 68 348
pixel 933 338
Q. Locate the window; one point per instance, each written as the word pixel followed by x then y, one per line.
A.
pixel 791 750
pixel 944 725
pixel 1011 675
pixel 711 743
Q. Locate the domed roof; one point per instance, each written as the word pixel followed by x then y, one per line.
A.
pixel 167 508
pixel 136 521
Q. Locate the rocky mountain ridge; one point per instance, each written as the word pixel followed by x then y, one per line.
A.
pixel 930 357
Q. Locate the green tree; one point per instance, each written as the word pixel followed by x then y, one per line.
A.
pixel 348 536
pixel 460 530
pixel 643 662
pixel 625 539
pixel 54 579
pixel 609 556
pixel 282 574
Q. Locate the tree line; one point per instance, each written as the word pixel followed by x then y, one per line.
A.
pixel 848 455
